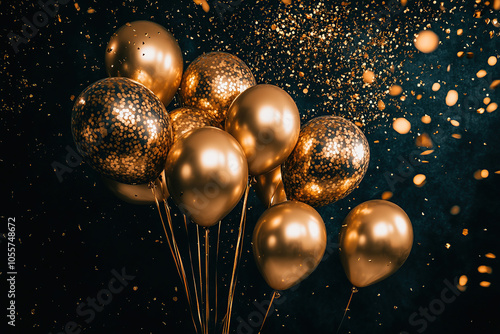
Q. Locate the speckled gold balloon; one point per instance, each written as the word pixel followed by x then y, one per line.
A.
pixel 122 130
pixel 147 53
pixel 212 81
pixel 328 162
pixel 186 119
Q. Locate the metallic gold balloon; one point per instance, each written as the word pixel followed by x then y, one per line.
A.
pixel 122 130
pixel 186 119
pixel 269 188
pixel 266 122
pixel 206 174
pixel 212 81
pixel 375 240
pixel 289 241
pixel 328 163
pixel 137 193
pixel 147 53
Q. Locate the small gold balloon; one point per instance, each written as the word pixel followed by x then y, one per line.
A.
pixel 147 53
pixel 212 81
pixel 329 161
pixel 266 122
pixel 186 119
pixel 138 193
pixel 206 174
pixel 122 130
pixel 269 187
pixel 289 241
pixel 375 240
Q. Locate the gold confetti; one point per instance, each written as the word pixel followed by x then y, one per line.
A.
pixel 401 126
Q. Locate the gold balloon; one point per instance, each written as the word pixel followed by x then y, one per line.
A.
pixel 206 174
pixel 147 53
pixel 375 240
pixel 269 187
pixel 212 81
pixel 328 163
pixel 137 193
pixel 122 130
pixel 266 122
pixel 289 241
pixel 186 119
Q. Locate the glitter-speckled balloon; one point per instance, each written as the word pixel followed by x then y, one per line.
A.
pixel 122 130
pixel 329 161
pixel 147 53
pixel 213 80
pixel 186 119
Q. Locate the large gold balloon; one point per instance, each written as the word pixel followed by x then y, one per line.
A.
pixel 212 81
pixel 122 130
pixel 206 174
pixel 289 241
pixel 266 122
pixel 375 240
pixel 147 53
pixel 269 187
pixel 138 193
pixel 328 163
pixel 186 119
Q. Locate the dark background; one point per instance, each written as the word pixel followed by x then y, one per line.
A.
pixel 71 234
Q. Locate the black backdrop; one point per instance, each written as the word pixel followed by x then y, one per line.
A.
pixel 70 235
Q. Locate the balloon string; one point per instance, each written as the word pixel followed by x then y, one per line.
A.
pixel 193 275
pixel 207 282
pixel 216 278
pixel 175 253
pixel 268 309
pixel 347 307
pixel 237 256
pixel 199 272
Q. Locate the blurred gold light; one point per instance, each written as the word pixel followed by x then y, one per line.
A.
pixel 455 210
pixel 462 280
pixel 485 284
pixel 492 61
pixel 481 74
pixel 486 100
pixel 492 107
pixel 368 77
pixel 401 125
pixel 491 256
pixel 484 269
pixel 465 231
pixel 426 119
pixel 419 180
pixel 452 98
pixel 426 41
pixel 436 86
pixel 386 195
pixel 395 90
pixel 485 173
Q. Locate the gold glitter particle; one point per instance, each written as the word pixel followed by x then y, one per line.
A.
pixel 491 256
pixel 381 105
pixel 369 77
pixel 460 32
pixel 448 245
pixel 463 280
pixel 486 100
pixel 424 140
pixel 465 231
pixel 485 284
pixel 436 86
pixel 492 61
